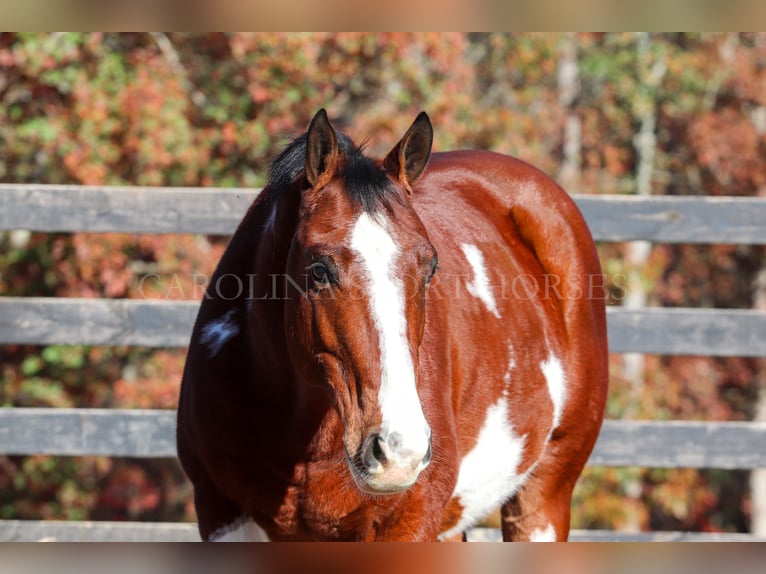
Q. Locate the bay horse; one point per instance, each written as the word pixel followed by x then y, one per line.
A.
pixel 393 349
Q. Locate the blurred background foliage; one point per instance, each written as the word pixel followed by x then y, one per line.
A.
pixel 677 114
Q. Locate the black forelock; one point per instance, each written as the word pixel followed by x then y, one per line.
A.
pixel 366 183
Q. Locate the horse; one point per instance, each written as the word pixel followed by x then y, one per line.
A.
pixel 392 349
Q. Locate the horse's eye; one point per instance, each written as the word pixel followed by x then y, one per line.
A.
pixel 319 272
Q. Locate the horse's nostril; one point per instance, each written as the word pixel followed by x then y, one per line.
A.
pixel 384 451
pixel 376 450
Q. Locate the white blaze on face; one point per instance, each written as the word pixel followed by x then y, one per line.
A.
pixel 479 287
pixel 399 402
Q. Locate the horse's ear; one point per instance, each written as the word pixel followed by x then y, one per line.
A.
pixel 409 157
pixel 321 150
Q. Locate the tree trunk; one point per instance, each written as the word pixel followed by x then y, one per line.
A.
pixel 637 293
pixel 569 89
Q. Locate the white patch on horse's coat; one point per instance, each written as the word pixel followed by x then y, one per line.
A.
pixel 479 287
pixel 488 474
pixel 548 534
pixel 217 332
pixel 241 530
pixel 398 398
pixel 556 380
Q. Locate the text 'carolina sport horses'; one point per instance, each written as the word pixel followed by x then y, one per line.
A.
pixel 392 349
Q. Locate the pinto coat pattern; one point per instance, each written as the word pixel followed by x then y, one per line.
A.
pixel 392 349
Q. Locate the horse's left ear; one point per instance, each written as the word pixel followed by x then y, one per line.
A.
pixel 409 157
pixel 321 150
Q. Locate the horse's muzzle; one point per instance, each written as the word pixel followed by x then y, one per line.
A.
pixel 386 464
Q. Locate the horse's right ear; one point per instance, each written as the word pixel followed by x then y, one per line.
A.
pixel 321 150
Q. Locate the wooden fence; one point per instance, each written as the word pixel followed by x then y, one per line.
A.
pixel 149 323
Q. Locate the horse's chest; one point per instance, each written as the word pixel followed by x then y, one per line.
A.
pixel 490 473
pixel 322 505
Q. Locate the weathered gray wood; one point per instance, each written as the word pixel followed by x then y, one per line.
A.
pixel 70 208
pixel 676 219
pixel 685 331
pixel 151 323
pixel 494 535
pixel 61 531
pixel 670 219
pixel 81 432
pixel 681 444
pixel 132 322
pixel 151 433
pixel 86 531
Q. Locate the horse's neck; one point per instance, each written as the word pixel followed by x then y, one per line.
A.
pixel 301 407
pixel 300 413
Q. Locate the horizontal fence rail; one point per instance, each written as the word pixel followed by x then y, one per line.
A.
pixel 96 531
pixel 139 433
pixel 151 434
pixel 681 444
pixel 152 323
pixel 217 211
pixel 687 331
pixel 74 208
pixel 495 535
pixel 108 322
pixel 675 219
pixel 108 531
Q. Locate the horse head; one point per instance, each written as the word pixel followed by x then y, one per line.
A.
pixel 358 328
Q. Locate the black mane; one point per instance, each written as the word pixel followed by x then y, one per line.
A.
pixel 367 185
